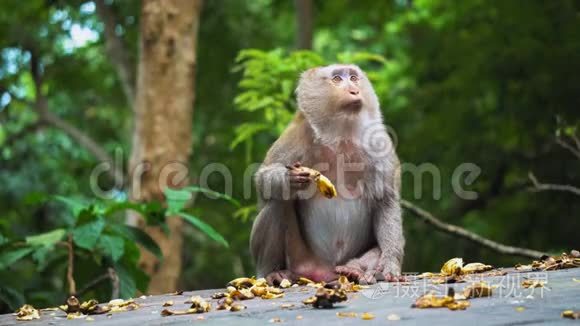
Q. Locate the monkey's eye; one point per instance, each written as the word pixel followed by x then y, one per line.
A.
pixel 353 78
pixel 336 79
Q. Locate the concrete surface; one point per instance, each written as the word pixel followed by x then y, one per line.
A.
pixel 510 304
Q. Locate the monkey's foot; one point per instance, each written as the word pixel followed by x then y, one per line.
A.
pixel 390 277
pixel 351 272
pixel 276 277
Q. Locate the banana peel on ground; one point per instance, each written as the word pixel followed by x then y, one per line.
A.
pixel 448 301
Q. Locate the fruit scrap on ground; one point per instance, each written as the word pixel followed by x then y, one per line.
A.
pixel 475 268
pixel 452 266
pixel 346 285
pixel 343 314
pixel 477 290
pixel 241 288
pixel 198 306
pixel 27 312
pixel 453 271
pixel 74 309
pixel 120 305
pixel 229 304
pixel 326 298
pixel 244 288
pixel 571 314
pixel 530 284
pixel 367 316
pixel 550 263
pixel 431 300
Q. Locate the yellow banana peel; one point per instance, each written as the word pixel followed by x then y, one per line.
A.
pixel 323 184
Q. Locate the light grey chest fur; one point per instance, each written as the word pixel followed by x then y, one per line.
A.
pixel 342 227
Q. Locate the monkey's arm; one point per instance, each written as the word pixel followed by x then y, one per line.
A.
pixel 389 234
pixel 273 179
pixel 388 222
pixel 273 182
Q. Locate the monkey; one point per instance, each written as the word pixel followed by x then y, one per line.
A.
pixel 337 129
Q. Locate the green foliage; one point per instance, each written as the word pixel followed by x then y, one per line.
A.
pixel 112 246
pixel 487 82
pixel 269 79
pixel 98 232
pixel 205 228
pixel 11 297
pixel 47 239
pixel 87 234
pixel 467 81
pixel 11 254
pixel 267 84
pixel 136 235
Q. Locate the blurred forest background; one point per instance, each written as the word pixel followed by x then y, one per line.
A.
pixel 494 83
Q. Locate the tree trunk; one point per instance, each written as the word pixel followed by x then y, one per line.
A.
pixel 304 24
pixel 162 138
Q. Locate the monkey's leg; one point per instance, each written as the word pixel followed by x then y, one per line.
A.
pixel 267 238
pixel 300 259
pixel 389 234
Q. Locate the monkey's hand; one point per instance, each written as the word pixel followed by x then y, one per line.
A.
pixel 276 277
pixel 392 273
pixel 299 178
pixel 353 273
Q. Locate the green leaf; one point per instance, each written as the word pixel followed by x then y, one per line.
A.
pixel 47 239
pixel 246 131
pixel 112 246
pixel 75 205
pixel 154 214
pixel 131 279
pixel 205 228
pixel 127 284
pixel 121 206
pixel 12 255
pixel 34 198
pixel 86 215
pixel 244 213
pixel 87 235
pixel 139 236
pixel 40 257
pixel 11 297
pixel 213 193
pixel 176 200
pixel 43 244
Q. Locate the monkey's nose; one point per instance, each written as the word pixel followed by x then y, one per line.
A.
pixel 353 91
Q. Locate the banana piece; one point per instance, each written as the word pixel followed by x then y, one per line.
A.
pixel 475 268
pixel 452 267
pixel 325 187
pixel 323 184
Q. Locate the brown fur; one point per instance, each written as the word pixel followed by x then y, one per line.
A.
pixel 359 233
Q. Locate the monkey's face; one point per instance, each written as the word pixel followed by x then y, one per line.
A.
pixel 345 85
pixel 339 90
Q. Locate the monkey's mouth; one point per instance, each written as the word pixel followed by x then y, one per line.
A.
pixel 353 105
